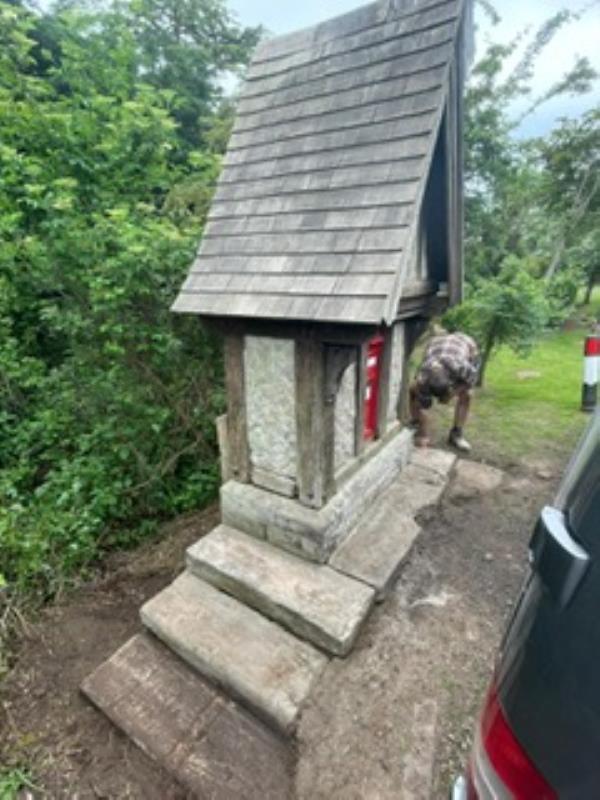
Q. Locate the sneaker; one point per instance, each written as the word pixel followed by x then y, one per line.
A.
pixel 456 439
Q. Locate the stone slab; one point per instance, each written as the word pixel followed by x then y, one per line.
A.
pixel 376 550
pixel 314 534
pixel 209 744
pixel 439 461
pixel 473 478
pixel 417 488
pixel 380 543
pixel 259 663
pixel 313 601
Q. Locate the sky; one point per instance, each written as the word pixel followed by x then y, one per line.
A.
pixel 578 38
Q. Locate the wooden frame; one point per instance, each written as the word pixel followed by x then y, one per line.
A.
pixel 237 432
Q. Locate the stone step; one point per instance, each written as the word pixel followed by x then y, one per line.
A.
pixel 379 545
pixel 376 550
pixel 314 601
pixel 208 743
pixel 259 663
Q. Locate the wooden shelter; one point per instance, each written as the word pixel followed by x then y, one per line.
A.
pixel 336 230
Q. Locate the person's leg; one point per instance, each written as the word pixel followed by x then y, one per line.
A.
pixel 418 418
pixel 461 414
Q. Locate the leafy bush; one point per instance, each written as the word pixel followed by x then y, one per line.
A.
pixel 107 400
pixel 510 309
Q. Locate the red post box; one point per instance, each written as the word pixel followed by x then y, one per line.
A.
pixel 374 359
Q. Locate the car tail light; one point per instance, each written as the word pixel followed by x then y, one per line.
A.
pixel 500 767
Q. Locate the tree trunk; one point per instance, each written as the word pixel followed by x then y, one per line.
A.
pixel 485 357
pixel 591 284
pixel 556 259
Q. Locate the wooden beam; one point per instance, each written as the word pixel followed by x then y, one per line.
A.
pixel 384 383
pixel 311 424
pixel 361 388
pixel 413 331
pixel 237 431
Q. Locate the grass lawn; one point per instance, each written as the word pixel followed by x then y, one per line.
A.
pixel 529 408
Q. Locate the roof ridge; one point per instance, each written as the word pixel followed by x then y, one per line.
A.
pixel 339 27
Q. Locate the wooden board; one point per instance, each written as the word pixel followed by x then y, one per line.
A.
pixel 213 747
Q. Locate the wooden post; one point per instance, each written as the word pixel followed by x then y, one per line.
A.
pixel 361 388
pixel 311 423
pixel 384 383
pixel 413 330
pixel 237 431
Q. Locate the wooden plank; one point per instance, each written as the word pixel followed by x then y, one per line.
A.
pixel 380 241
pixel 407 87
pixel 237 432
pixel 208 282
pixel 206 741
pixel 361 389
pixel 337 32
pixel 384 383
pixel 317 285
pixel 382 217
pixel 304 68
pixel 413 330
pixel 456 287
pixel 387 151
pixel 373 113
pixel 310 421
pixel 281 145
pixel 314 163
pixel 223 441
pixel 334 264
pixel 453 277
pixel 359 310
pixel 387 61
pixel 385 194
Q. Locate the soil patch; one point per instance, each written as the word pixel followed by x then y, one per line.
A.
pixel 46 724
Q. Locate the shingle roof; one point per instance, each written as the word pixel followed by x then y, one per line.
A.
pixel 323 181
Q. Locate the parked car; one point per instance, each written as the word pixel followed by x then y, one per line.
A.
pixel 538 737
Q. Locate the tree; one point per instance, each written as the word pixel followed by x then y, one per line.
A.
pixel 504 176
pixel 185 47
pixel 571 184
pixel 106 399
pixel 509 309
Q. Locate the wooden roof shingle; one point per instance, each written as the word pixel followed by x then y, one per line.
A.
pixel 323 181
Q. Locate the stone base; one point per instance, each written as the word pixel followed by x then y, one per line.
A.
pixel 314 534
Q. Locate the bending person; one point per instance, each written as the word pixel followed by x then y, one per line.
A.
pixel 449 370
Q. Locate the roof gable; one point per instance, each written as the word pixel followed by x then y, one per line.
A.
pixel 320 194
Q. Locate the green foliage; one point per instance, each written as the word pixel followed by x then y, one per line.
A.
pixel 13 781
pixel 182 45
pixel 508 179
pixel 107 400
pixel 510 309
pixel 531 205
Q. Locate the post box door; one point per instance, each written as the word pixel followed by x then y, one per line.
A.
pixel 372 383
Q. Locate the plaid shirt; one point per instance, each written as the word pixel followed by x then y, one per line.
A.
pixel 459 356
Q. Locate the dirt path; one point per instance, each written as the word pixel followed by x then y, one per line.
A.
pixel 74 751
pixel 406 699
